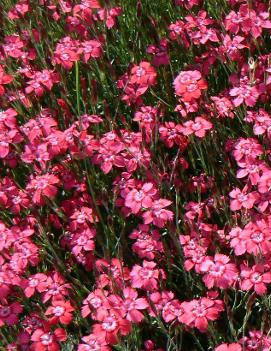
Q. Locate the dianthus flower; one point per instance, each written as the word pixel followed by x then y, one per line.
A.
pixel 143 74
pixel 91 49
pixel 44 185
pixel 148 243
pixel 229 347
pixel 130 306
pixel 45 340
pixel 9 313
pixel 247 150
pixel 255 278
pixel 60 312
pixel 257 237
pixel 161 56
pixel 158 215
pixel 242 199
pixel 67 52
pixel 95 303
pixel 219 272
pixel 4 79
pixel 55 288
pixel 256 341
pixel 197 313
pixel 245 94
pixel 171 134
pixel 110 327
pixel 112 273
pixel 197 127
pixel 36 282
pixel 189 84
pixel 146 276
pixel 236 241
pixel 41 80
pixel 94 342
pixel 140 198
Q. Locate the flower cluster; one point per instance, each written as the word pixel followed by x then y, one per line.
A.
pixel 135 175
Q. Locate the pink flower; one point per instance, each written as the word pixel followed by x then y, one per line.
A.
pixel 13 46
pixel 83 241
pixel 130 306
pixel 148 244
pixel 237 242
pixel 9 313
pixel 197 127
pixel 40 80
pixel 233 46
pixel 253 171
pixel 257 237
pixel 19 10
pixel 189 84
pixel 112 273
pixel 229 347
pixel 142 198
pixel 54 288
pixel 67 52
pixel 256 341
pixel 109 328
pixel 264 184
pixel 95 303
pixel 82 218
pixel 44 340
pixel 91 49
pixel 223 106
pixel 33 283
pixel 247 150
pixel 218 272
pixel 146 277
pixel 172 310
pixel 143 74
pixel 255 278
pixel 242 199
pixel 4 79
pixel 44 185
pixel 245 93
pixel 160 53
pixel 93 342
pixel 109 16
pixel 60 312
pixel 171 134
pixel 158 215
pixel 197 313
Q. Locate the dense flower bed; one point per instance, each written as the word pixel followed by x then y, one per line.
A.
pixel 135 176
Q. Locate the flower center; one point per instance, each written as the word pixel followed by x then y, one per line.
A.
pixel 257 237
pixel 145 273
pixel 59 311
pixel 96 302
pixel 192 87
pixel 139 195
pixel 109 324
pixel 5 311
pixel 140 72
pixel 46 339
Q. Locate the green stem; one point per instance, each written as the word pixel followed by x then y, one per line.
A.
pixel 77 87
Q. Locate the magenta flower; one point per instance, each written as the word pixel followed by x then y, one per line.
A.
pixel 197 313
pixel 142 198
pixel 146 276
pixel 218 272
pixel 229 347
pixel 255 278
pixel 189 84
pixel 197 127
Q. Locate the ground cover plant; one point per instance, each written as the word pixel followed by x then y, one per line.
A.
pixel 135 176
